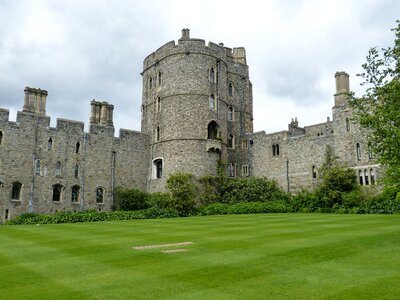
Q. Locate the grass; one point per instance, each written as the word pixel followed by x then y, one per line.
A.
pixel 274 256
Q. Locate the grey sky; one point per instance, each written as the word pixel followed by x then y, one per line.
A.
pixel 84 50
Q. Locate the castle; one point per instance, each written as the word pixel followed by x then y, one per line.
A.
pixel 197 110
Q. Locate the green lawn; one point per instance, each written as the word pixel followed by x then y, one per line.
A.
pixel 274 256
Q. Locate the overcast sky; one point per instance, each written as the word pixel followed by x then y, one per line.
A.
pixel 83 50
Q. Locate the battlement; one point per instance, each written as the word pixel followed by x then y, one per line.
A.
pixel 186 44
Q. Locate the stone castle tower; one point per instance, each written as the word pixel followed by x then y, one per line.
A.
pixel 196 108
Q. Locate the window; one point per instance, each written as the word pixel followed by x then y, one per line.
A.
pixel 158 134
pixel 37 167
pixel 57 188
pixel 232 170
pixel 245 144
pixel 50 144
pixel 275 150
pixel 370 154
pixel 77 147
pixel 366 177
pixel 150 83
pixel 212 130
pixel 314 172
pixel 99 195
pixel 230 89
pixel 358 149
pixel 16 191
pixel 7 214
pixel 76 171
pixel 157 168
pixel 212 75
pixel 212 102
pixel 347 124
pixel 372 173
pixel 58 169
pixel 360 176
pixel 158 104
pixel 245 170
pixel 75 192
pixel 231 141
pixel 1 136
pixel 230 113
pixel 159 78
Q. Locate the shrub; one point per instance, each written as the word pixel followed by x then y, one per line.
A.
pixel 183 192
pixel 159 200
pixel 251 189
pixel 130 199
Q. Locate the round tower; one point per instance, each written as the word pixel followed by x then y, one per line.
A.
pixel 197 109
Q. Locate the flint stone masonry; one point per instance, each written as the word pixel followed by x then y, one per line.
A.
pixel 180 132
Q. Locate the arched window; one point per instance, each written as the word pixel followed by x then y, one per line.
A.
pixel 57 189
pixel 158 104
pixel 314 172
pixel 159 78
pixel 212 131
pixel 231 141
pixel 37 167
pixel 58 168
pixel 99 195
pixel 77 147
pixel 76 171
pixel 370 154
pixel 230 89
pixel 366 177
pixel 273 150
pixel 212 75
pixel 158 134
pixel 50 144
pixel 1 136
pixel 372 173
pixel 360 176
pixel 16 191
pixel 230 113
pixel 212 102
pixel 157 168
pixel 358 149
pixel 75 191
pixel 347 124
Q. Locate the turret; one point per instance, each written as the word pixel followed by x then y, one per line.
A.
pixel 35 101
pixel 342 88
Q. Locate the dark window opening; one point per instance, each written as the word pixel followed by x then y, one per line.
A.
pixel 370 154
pixel 58 168
pixel 230 113
pixel 76 171
pixel 77 147
pixel 158 165
pixel 99 195
pixel 1 137
pixel 212 132
pixel 360 177
pixel 158 134
pixel 57 193
pixel 37 167
pixel 150 83
pixel 7 214
pixel 16 191
pixel 230 89
pixel 212 75
pixel 358 149
pixel 159 78
pixel 314 172
pixel 75 193
pixel 366 177
pixel 231 141
pixel 372 173
pixel 50 144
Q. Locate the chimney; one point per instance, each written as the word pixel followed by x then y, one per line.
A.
pixel 185 33
pixel 35 101
pixel 342 88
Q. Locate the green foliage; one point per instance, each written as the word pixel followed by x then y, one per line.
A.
pixel 92 216
pixel 278 206
pixel 130 199
pixel 378 109
pixel 182 187
pixel 209 189
pixel 304 201
pixel 159 200
pixel 251 189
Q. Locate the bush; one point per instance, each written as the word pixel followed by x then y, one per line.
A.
pixel 251 189
pixel 130 199
pixel 244 208
pixel 183 192
pixel 159 200
pixel 304 201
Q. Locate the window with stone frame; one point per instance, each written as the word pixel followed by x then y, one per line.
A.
pixel 245 144
pixel 57 190
pixel 212 102
pixel 275 150
pixel 358 151
pixel 50 144
pixel 372 174
pixel 76 171
pixel 212 75
pixel 231 170
pixel 75 193
pixel 230 89
pixel 157 168
pixel 245 170
pixel 366 177
pixel 158 104
pixel 360 176
pixel 212 130
pixel 231 141
pixel 370 154
pixel 231 113
pixel 16 191
pixel 37 167
pixel 58 169
pixel 99 195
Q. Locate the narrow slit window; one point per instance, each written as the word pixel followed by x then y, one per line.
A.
pixel 212 75
pixel 77 147
pixel 358 150
pixel 99 195
pixel 49 144
pixel 58 168
pixel 37 167
pixel 76 171
pixel 230 113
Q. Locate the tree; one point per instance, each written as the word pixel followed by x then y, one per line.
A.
pixel 183 192
pixel 378 109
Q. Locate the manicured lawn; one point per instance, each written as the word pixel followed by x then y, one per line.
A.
pixel 274 256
